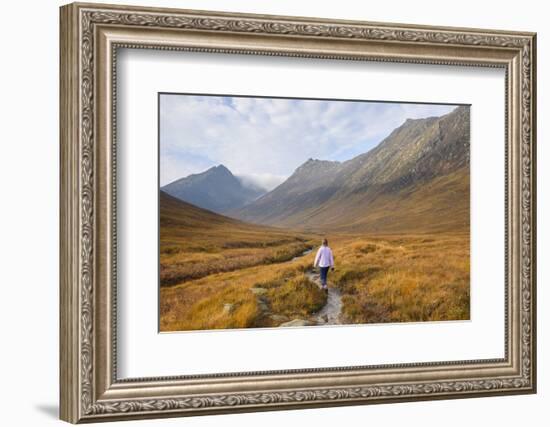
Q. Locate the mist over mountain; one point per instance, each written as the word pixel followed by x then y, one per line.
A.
pixel 215 189
pixel 264 181
pixel 417 177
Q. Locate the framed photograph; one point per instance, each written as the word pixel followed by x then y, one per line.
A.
pixel 266 212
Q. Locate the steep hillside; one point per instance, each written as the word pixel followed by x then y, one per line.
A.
pixel 195 242
pixel 417 179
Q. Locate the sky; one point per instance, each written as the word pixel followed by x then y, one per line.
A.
pixel 263 140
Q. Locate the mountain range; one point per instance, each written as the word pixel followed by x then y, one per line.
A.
pixel 416 179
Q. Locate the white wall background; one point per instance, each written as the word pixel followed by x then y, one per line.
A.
pixel 29 171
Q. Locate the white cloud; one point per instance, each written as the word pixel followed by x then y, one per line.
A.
pixel 265 181
pixel 174 166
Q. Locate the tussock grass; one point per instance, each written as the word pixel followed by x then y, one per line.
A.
pixel 296 297
pixel 187 263
pixel 405 279
pixel 199 304
pixel 223 273
pixel 196 243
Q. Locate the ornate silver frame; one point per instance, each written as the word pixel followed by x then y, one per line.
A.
pixel 90 36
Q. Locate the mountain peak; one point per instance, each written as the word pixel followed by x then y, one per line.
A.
pixel 426 120
pixel 311 163
pixel 222 167
pixel 219 169
pixel 215 189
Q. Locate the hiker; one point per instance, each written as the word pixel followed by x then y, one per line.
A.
pixel 324 260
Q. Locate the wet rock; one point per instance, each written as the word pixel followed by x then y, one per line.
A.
pixel 278 318
pixel 263 304
pixel 322 319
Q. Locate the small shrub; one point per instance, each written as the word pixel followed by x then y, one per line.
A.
pixel 348 275
pixel 368 248
pixel 297 297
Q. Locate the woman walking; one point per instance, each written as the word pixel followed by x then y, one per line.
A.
pixel 324 260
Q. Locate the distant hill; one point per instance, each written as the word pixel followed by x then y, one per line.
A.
pixel 416 179
pixel 215 189
pixel 179 219
pixel 177 214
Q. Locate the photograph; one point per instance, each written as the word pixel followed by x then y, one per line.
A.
pixel 295 212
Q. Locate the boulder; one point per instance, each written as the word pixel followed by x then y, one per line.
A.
pixel 278 318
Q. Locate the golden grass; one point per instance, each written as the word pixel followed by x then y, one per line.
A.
pixel 296 297
pixel 227 274
pixel 195 243
pixel 404 279
pixel 201 304
pixel 188 263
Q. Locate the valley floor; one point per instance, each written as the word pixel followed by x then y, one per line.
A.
pixel 263 279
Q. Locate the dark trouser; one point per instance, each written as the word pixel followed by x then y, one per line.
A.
pixel 324 273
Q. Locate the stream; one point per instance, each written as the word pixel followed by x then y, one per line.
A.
pixel 330 313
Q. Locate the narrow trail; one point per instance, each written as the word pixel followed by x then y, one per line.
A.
pixel 330 313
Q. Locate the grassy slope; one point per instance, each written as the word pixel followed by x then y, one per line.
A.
pixel 195 242
pixel 440 205
pixel 382 279
pixel 209 263
pixel 404 278
pixel 201 304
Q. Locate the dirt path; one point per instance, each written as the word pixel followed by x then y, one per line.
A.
pixel 330 313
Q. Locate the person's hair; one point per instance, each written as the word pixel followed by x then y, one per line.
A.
pixel 325 242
